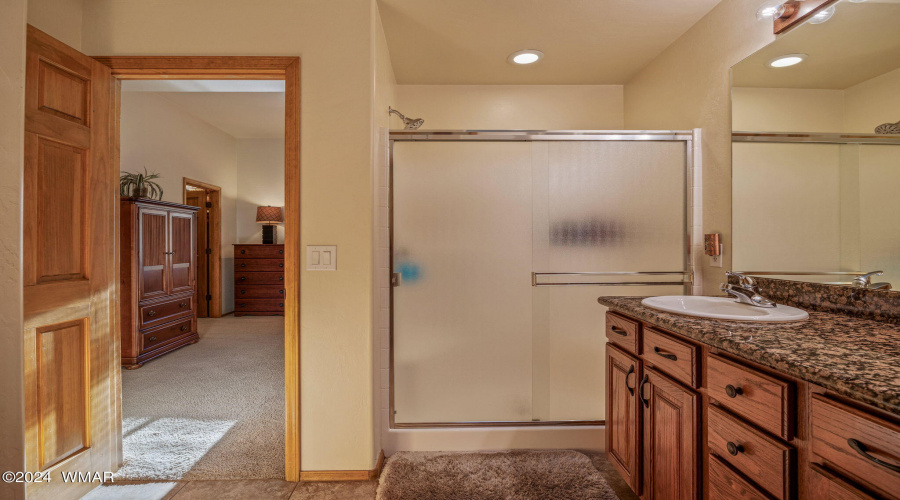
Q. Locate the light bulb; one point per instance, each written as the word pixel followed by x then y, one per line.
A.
pixel 822 16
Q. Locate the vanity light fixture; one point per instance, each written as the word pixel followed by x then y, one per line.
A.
pixel 528 56
pixel 787 60
pixel 822 16
pixel 770 10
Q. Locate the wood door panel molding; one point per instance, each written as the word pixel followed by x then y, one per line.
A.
pixel 64 93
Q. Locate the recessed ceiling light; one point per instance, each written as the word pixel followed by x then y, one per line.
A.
pixel 787 60
pixel 526 56
pixel 822 16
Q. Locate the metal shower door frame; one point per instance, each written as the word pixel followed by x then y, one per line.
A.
pixel 688 137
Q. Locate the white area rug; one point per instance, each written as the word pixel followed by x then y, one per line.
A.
pixel 212 410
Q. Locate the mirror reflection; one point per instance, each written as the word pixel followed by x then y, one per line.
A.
pixel 816 151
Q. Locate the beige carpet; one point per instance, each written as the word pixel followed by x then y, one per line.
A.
pixel 212 410
pixel 508 475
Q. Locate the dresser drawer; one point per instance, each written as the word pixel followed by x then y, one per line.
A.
pixel 677 358
pixel 254 265
pixel 860 445
pixel 258 292
pixel 761 399
pixel 623 332
pixel 251 278
pixel 160 335
pixel 161 312
pixel 259 305
pixel 725 483
pixel 765 460
pixel 826 485
pixel 259 251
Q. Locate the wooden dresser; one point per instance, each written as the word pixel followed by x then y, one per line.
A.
pixel 259 280
pixel 159 282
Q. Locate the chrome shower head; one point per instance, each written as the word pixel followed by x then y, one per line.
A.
pixel 408 123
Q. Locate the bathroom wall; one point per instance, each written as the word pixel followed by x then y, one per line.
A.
pixel 12 155
pixel 260 181
pixel 61 19
pixel 158 135
pixel 787 110
pixel 498 107
pixel 873 102
pixel 688 86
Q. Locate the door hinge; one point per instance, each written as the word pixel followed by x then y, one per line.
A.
pixel 209 251
pixel 209 297
pixel 208 204
pixel 396 279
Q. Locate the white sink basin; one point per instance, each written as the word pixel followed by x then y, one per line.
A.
pixel 722 308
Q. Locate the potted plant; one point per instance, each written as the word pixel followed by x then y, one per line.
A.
pixel 140 185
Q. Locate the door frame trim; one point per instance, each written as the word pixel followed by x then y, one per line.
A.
pixel 215 265
pixel 247 68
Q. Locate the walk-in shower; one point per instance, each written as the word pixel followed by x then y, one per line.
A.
pixel 501 242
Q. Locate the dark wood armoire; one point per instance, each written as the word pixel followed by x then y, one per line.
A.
pixel 159 278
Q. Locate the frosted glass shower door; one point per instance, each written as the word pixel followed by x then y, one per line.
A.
pixel 475 339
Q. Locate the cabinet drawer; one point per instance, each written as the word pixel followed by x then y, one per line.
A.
pixel 259 292
pixel 271 265
pixel 161 312
pixel 724 483
pixel 825 485
pixel 862 446
pixel 757 397
pixel 258 251
pixel 162 334
pixel 260 305
pixel 671 355
pixel 766 461
pixel 251 278
pixel 623 332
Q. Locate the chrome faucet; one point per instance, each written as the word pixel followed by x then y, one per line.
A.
pixel 747 292
pixel 865 281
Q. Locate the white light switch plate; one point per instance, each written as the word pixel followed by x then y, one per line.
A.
pixel 321 258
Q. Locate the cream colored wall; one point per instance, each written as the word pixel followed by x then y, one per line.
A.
pixel 333 40
pixel 158 135
pixel 688 86
pixel 872 103
pixel 787 110
pixel 497 107
pixel 260 181
pixel 61 19
pixel 12 155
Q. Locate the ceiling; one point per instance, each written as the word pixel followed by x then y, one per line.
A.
pixel 584 41
pixel 244 109
pixel 860 42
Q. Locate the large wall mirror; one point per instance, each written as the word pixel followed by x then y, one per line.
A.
pixel 816 149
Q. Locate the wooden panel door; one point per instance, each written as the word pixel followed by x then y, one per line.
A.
pixel 196 198
pixel 623 415
pixel 70 197
pixel 671 438
pixel 182 251
pixel 153 269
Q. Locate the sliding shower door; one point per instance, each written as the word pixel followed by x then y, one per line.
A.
pixel 500 250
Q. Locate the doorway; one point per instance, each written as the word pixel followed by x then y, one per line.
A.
pixel 208 198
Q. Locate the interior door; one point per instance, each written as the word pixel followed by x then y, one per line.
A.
pixel 154 248
pixel 181 252
pixel 198 199
pixel 70 193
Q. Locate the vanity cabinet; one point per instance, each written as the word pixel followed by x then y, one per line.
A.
pixel 688 421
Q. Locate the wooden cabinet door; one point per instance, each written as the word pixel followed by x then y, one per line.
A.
pixel 623 415
pixel 153 243
pixel 671 438
pixel 182 261
pixel 69 263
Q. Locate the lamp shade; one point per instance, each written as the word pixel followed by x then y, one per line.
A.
pixel 269 215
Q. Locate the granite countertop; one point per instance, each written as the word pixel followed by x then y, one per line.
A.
pixel 855 357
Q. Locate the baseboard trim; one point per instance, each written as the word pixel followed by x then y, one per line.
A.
pixel 345 475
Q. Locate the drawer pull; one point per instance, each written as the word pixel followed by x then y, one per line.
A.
pixel 243 265
pixel 641 391
pixel 630 389
pixel 734 449
pixel 281 251
pixel 151 313
pixel 861 449
pixel 183 328
pixel 243 305
pixel 182 304
pixel 152 339
pixel 243 291
pixel 618 331
pixel 281 292
pixel 281 304
pixel 281 265
pixel 733 391
pixel 667 355
pixel 243 251
pixel 281 278
pixel 243 278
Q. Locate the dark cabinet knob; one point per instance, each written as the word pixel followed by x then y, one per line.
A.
pixel 243 278
pixel 243 252
pixel 281 251
pixel 734 449
pixel 281 278
pixel 281 292
pixel 281 304
pixel 183 328
pixel 183 304
pixel 733 391
pixel 243 265
pixel 151 313
pixel 243 305
pixel 281 264
pixel 243 291
pixel 152 339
